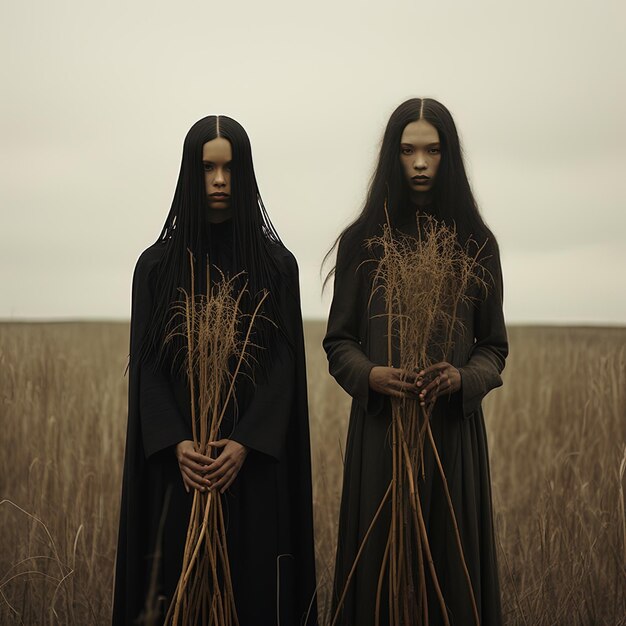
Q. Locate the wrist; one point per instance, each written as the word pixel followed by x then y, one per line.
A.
pixel 179 448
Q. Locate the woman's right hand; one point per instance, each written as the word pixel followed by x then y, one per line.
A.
pixel 193 466
pixel 392 381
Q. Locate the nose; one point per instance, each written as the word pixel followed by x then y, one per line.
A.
pixel 220 180
pixel 420 163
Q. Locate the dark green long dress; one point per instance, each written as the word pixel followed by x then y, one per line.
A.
pixel 356 341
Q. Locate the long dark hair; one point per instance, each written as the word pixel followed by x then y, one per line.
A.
pixel 453 201
pixel 185 229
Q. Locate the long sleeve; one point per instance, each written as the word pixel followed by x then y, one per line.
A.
pixel 347 361
pixel 263 426
pixel 161 422
pixel 482 372
pixel 264 423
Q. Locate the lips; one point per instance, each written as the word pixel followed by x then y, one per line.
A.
pixel 219 196
pixel 420 179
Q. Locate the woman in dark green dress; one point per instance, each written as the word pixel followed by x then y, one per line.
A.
pixel 420 172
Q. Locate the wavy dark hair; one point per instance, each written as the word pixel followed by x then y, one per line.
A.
pixel 186 229
pixel 453 201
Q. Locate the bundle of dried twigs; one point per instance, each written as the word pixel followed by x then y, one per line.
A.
pixel 423 280
pixel 217 335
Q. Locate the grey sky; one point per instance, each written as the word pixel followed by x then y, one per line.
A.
pixel 97 98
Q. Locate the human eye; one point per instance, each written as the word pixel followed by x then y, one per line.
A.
pixel 435 150
pixel 406 150
pixel 208 167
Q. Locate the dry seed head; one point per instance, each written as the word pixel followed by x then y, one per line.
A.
pixel 425 280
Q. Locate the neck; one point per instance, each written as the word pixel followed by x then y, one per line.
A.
pixel 421 199
pixel 217 216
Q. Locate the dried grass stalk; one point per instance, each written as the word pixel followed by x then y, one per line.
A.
pixel 217 335
pixel 423 281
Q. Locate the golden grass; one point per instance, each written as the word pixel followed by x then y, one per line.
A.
pixel 557 434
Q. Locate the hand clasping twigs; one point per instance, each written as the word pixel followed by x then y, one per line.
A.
pixel 217 335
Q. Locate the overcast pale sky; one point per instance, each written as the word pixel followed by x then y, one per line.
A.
pixel 97 98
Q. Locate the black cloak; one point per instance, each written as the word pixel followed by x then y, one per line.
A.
pixel 268 507
pixel 356 340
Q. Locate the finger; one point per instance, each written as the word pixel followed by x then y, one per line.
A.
pixel 218 444
pixel 409 391
pixel 426 379
pixel 404 375
pixel 218 463
pixel 444 383
pixel 217 473
pixel 219 483
pixel 192 465
pixel 431 392
pixel 433 369
pixel 432 385
pixel 225 481
pixel 427 399
pixel 215 478
pixel 428 404
pixel 455 380
pixel 219 467
pixel 444 388
pixel 231 480
pixel 192 484
pixel 430 398
pixel 197 457
pixel 402 385
pixel 196 480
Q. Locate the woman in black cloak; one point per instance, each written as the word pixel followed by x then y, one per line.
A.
pixel 420 171
pixel 263 459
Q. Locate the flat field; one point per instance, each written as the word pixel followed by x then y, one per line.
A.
pixel 557 434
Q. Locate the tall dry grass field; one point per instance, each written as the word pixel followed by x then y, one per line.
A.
pixel 557 439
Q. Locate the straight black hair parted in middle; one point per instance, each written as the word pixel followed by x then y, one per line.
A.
pixel 453 200
pixel 186 230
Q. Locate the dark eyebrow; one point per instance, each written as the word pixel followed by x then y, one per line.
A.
pixel 429 145
pixel 205 162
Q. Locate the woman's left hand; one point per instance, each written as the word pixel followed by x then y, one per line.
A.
pixel 437 380
pixel 224 469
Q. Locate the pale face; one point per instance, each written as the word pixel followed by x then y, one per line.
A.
pixel 216 157
pixel 420 155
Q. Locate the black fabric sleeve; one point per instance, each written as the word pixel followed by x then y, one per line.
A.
pixel 347 362
pixel 490 349
pixel 263 426
pixel 162 424
pixel 264 423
